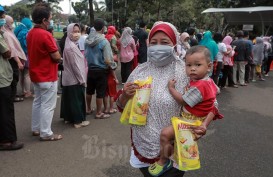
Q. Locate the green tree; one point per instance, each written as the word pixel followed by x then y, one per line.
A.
pixel 80 9
pixel 72 19
pixel 18 11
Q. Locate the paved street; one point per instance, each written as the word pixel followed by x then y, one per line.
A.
pixel 240 145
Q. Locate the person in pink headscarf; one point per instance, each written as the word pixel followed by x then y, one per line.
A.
pixel 268 54
pixel 127 50
pixel 17 54
pixel 228 65
pixel 73 108
pixel 183 45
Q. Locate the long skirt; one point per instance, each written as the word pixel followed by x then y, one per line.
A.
pixel 7 120
pixel 73 107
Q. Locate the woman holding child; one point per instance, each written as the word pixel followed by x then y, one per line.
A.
pixel 163 65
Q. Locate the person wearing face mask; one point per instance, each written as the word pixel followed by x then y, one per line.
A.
pixel 183 45
pixel 21 32
pixel 73 80
pixel 8 135
pixel 43 68
pixel 18 56
pixel 127 49
pixel 163 65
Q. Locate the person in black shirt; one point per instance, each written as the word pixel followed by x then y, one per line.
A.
pixel 142 36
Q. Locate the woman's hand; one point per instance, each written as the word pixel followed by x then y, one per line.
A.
pixel 20 65
pixel 129 90
pixel 199 131
pixel 171 83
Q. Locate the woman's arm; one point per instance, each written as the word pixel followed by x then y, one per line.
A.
pixel 19 63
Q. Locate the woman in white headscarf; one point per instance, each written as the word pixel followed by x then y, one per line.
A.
pixel 163 65
pixel 18 56
pixel 73 108
pixel 183 45
pixel 127 50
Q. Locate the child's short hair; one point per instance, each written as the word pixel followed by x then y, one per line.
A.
pixel 199 49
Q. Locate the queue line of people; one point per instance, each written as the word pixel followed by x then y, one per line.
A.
pixel 98 51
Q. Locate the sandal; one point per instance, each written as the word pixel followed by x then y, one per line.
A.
pixel 157 170
pixel 90 111
pixel 113 111
pixel 102 116
pixel 53 137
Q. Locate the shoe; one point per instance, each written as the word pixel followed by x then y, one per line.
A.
pixel 83 124
pixel 157 170
pixel 261 79
pixel 266 75
pixel 12 146
pixel 53 137
pixel 253 80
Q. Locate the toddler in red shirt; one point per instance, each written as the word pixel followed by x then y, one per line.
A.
pixel 198 103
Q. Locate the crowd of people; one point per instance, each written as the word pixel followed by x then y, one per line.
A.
pixel 83 64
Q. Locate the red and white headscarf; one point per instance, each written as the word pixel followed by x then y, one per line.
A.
pixel 167 28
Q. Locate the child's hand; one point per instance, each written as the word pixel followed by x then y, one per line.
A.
pixel 186 89
pixel 117 82
pixel 171 83
pixel 199 131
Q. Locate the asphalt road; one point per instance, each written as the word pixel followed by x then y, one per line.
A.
pixel 240 145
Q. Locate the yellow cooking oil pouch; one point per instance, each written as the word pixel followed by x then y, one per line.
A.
pixel 186 152
pixel 140 101
pixel 124 119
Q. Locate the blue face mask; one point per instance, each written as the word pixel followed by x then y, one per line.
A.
pixel 2 22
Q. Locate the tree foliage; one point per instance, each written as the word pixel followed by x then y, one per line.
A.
pixel 182 13
pixel 18 11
